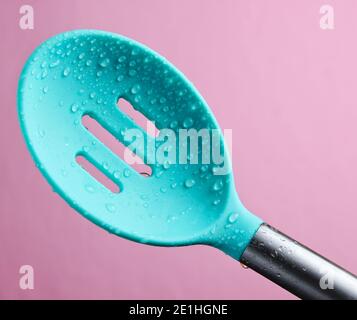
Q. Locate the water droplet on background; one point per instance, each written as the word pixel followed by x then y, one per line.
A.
pixel 110 207
pixel 74 107
pixel 135 89
pixel 127 173
pixel 218 185
pixel 187 123
pixel 89 188
pixel 189 183
pixel 66 72
pixel 233 217
pixel 104 63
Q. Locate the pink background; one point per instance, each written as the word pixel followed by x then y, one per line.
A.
pixel 285 87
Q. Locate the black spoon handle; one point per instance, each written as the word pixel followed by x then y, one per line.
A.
pixel 297 268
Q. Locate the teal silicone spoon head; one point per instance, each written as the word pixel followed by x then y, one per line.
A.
pixel 85 72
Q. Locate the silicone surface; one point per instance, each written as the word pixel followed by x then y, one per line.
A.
pixel 85 72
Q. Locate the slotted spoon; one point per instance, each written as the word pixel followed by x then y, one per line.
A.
pixel 85 72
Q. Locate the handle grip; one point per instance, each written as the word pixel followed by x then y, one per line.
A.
pixel 297 268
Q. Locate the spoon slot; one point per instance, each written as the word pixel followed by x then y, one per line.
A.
pixel 147 125
pixel 103 135
pixel 97 174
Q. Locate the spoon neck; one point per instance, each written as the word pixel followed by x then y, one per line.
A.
pixel 235 231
